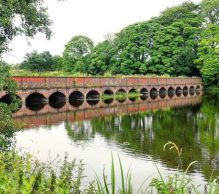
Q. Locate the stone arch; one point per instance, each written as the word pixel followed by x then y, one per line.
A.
pixel 162 92
pixel 198 87
pixel 36 101
pixel 93 97
pixel 185 90
pixel 57 100
pixel 7 99
pixel 108 92
pixel 192 90
pixel 198 90
pixel 143 93
pixel 153 93
pixel 123 94
pixel 76 98
pixel 171 91
pixel 133 91
pixel 178 91
pixel 121 90
pixel 36 97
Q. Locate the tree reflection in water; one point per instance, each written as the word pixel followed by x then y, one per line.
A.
pixel 195 128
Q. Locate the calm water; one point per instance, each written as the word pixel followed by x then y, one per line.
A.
pixel 136 130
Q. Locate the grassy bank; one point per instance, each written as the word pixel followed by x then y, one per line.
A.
pixel 27 175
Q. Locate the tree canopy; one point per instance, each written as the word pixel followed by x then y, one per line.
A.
pixel 172 43
pixel 76 53
pixel 38 62
pixel 17 17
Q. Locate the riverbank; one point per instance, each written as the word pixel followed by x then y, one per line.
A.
pixel 27 175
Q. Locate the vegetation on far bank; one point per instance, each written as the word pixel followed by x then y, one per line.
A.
pixel 182 41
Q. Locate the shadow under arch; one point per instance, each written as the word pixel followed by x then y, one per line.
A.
pixel 76 98
pixel 162 92
pixel 198 90
pixel 57 100
pixel 153 93
pixel 192 90
pixel 108 92
pixel 171 92
pixel 178 91
pixel 143 94
pixel 93 97
pixel 185 91
pixel 36 101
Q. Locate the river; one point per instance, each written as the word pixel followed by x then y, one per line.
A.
pixel 135 130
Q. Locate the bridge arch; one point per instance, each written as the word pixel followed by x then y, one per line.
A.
pixel 57 100
pixel 192 90
pixel 132 95
pixel 36 101
pixel 143 93
pixel 121 95
pixel 76 98
pixel 162 92
pixel 93 97
pixel 198 88
pixel 108 92
pixel 178 91
pixel 171 92
pixel 153 93
pixel 7 99
pixel 35 97
pixel 185 90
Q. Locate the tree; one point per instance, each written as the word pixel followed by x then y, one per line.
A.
pixel 175 44
pixel 208 55
pixel 22 17
pixel 17 17
pixel 210 10
pixel 133 48
pixel 77 51
pixel 101 58
pixel 38 62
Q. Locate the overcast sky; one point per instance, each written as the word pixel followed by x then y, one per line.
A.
pixel 92 18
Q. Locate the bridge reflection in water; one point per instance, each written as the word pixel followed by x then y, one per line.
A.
pixel 38 114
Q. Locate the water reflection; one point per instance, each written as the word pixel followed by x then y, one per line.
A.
pixel 142 128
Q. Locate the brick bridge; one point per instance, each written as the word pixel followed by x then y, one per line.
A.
pixel 50 116
pixel 71 88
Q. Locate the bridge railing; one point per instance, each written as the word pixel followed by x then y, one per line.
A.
pixel 71 82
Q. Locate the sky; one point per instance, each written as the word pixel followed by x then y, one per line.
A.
pixel 92 18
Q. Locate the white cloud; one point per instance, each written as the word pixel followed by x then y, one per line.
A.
pixel 92 18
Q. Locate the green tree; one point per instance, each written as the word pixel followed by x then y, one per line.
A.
pixel 210 10
pixel 22 17
pixel 175 44
pixel 101 58
pixel 38 62
pixel 76 54
pixel 208 55
pixel 133 47
pixel 17 17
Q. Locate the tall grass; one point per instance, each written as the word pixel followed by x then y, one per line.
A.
pixel 23 174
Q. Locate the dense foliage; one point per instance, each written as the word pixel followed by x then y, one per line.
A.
pixel 17 17
pixel 39 62
pixel 183 40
